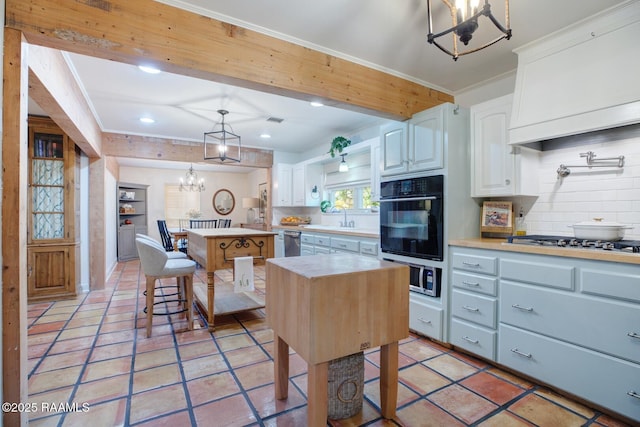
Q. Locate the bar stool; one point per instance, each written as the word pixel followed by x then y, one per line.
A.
pixel 171 254
pixel 157 265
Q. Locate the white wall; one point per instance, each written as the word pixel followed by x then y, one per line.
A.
pixel 490 89
pixel 609 193
pixel 110 226
pixel 238 183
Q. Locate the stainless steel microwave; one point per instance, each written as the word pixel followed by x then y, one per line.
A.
pixel 424 280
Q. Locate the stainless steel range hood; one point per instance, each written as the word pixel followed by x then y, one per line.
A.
pixel 582 79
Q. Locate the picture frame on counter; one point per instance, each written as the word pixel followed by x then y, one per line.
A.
pixel 497 217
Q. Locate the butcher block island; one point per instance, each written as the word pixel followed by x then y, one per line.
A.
pixel 330 306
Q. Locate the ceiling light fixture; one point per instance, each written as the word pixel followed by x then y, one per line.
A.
pixel 316 104
pixel 148 69
pixel 147 120
pixel 227 143
pixel 464 16
pixel 265 135
pixel 344 167
pixel 191 182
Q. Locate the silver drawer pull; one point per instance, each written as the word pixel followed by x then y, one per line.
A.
pixel 424 320
pixel 633 394
pixel 466 338
pixel 470 264
pixel 633 335
pixel 519 307
pixel 464 282
pixel 466 307
pixel 516 351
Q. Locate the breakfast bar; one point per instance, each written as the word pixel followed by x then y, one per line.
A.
pixel 329 306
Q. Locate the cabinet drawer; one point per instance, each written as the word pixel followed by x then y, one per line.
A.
pixel 369 248
pixel 306 250
pixel 322 250
pixel 307 238
pixel 475 263
pixel 322 240
pixel 473 338
pixel 475 308
pixel 606 326
pixel 475 282
pixel 425 319
pixel 624 284
pixel 601 379
pixel 538 273
pixel 345 244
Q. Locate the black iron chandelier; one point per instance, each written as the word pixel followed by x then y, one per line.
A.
pixel 464 17
pixel 221 144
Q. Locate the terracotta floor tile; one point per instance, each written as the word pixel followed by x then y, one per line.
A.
pixel 43 338
pixel 418 413
pixel 177 419
pixel 403 360
pixel 154 403
pixel 563 401
pixel 85 314
pixel 262 336
pixel 107 368
pixel 246 356
pixel 54 379
pixel 462 403
pixel 48 318
pixel 112 351
pixel 78 323
pixel 119 317
pixel 156 377
pixel 105 389
pixel 46 327
pixel 405 394
pixel 231 327
pixel 115 337
pixel 85 331
pixel 505 419
pixel 364 417
pixel 72 344
pixel 541 412
pixel 197 349
pixel 265 402
pixel 421 379
pixel 152 359
pixel 234 342
pixel 203 366
pixel 63 360
pixel 58 308
pixel 189 337
pixel 213 387
pixel 255 375
pixel 232 411
pixel 109 414
pixel 50 421
pixel 511 378
pixel 153 343
pixel 37 350
pixel 493 388
pixel 106 328
pixel 450 367
pixel 371 371
pixel 58 395
pixel 419 350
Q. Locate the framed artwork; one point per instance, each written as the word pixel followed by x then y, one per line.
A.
pixel 263 196
pixel 497 217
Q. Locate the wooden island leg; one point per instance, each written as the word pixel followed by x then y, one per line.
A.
pixel 389 379
pixel 281 367
pixel 317 398
pixel 210 299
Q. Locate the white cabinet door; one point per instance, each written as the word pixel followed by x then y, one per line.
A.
pixel 298 185
pixel 282 185
pixel 375 172
pixel 497 168
pixel 426 140
pixel 393 141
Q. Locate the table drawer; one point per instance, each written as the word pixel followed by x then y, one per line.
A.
pixel 473 338
pixel 475 308
pixel 474 282
pixel 369 248
pixel 345 244
pixel 475 263
pixel 322 240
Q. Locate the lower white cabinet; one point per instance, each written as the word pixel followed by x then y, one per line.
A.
pixel 425 318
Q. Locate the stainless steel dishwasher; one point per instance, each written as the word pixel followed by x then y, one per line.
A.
pixel 291 243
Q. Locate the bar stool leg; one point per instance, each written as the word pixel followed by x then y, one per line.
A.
pixel 188 290
pixel 151 282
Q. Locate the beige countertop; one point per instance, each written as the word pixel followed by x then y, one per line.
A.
pixel 356 232
pixel 502 245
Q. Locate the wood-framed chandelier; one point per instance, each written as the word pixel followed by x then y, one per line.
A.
pixel 464 17
pixel 221 144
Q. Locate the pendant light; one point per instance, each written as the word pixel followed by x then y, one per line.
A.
pixel 221 144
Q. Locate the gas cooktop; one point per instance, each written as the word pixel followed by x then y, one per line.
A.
pixel 570 242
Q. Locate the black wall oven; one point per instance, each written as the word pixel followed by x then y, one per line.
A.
pixel 411 217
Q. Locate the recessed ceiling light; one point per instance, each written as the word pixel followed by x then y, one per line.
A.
pixel 148 69
pixel 147 120
pixel 265 135
pixel 317 104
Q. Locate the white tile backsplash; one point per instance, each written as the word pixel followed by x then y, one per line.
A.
pixel 609 193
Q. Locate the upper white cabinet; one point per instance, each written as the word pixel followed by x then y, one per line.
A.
pixel 415 145
pixel 375 171
pixel 497 168
pixel 293 184
pixel 282 188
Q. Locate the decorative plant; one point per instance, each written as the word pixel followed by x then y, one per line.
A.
pixel 194 213
pixel 338 144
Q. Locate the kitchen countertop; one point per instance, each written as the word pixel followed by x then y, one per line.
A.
pixel 502 245
pixel 356 232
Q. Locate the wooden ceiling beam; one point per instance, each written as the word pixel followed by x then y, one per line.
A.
pixel 182 42
pixel 53 87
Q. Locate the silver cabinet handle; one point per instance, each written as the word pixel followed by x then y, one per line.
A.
pixel 466 338
pixel 633 394
pixel 518 352
pixel 633 335
pixel 519 307
pixel 342 245
pixel 464 282
pixel 424 320
pixel 470 264
pixel 466 307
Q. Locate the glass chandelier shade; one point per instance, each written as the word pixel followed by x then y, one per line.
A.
pixel 221 144
pixel 191 182
pixel 464 18
pixel 344 167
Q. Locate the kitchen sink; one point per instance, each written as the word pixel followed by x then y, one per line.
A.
pixel 338 228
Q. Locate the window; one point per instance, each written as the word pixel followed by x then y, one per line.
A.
pixel 178 204
pixel 352 198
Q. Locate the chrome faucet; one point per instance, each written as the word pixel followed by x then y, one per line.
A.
pixel 349 224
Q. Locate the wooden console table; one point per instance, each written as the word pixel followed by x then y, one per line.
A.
pixel 330 306
pixel 216 248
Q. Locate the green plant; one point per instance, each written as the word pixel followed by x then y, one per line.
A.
pixel 338 144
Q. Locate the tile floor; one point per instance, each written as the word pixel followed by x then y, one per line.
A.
pixel 93 351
